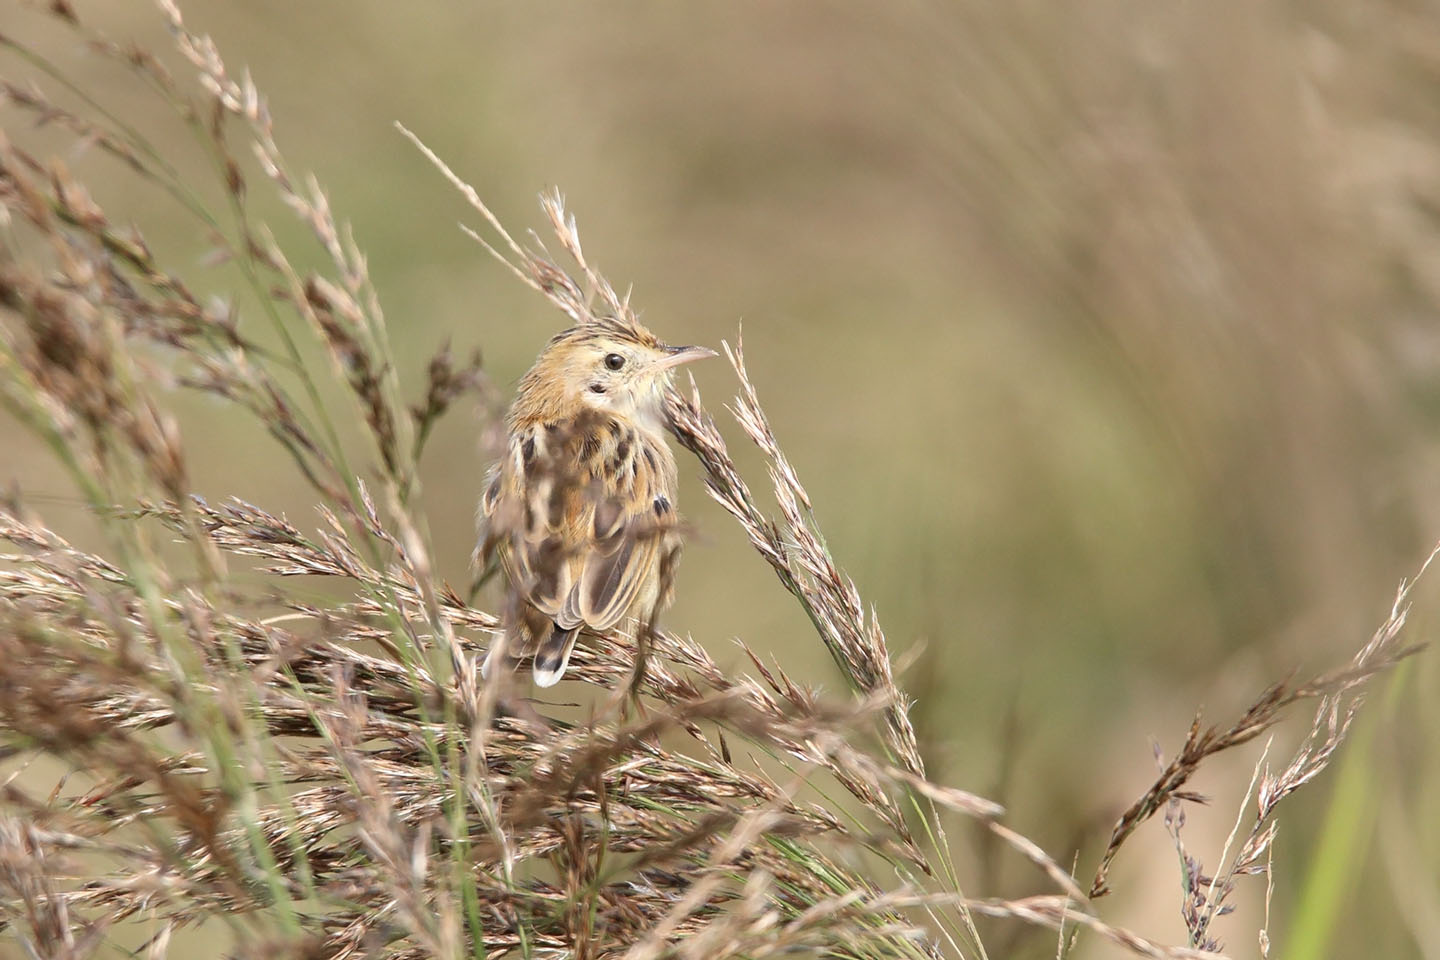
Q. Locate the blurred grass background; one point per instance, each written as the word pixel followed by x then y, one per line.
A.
pixel 1104 337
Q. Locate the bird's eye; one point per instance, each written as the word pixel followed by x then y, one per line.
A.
pixel 614 361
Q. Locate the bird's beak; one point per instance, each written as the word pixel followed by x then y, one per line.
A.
pixel 675 356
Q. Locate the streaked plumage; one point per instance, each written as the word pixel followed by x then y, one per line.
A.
pixel 581 509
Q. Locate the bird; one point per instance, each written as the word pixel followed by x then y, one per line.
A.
pixel 580 510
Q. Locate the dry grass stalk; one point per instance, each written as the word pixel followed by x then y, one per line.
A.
pixel 331 778
pixel 1340 695
pixel 1338 699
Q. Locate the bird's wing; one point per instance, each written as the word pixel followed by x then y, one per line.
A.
pixel 630 527
pixel 618 566
pixel 587 524
pixel 529 514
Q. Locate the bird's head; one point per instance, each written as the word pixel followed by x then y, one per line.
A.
pixel 614 366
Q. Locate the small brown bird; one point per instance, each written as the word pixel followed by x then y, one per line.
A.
pixel 581 509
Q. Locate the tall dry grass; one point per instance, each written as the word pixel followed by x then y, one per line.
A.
pixel 233 721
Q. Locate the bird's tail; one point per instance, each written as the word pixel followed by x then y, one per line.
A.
pixel 553 656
